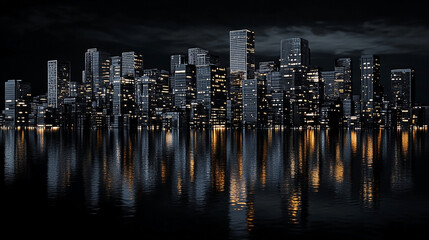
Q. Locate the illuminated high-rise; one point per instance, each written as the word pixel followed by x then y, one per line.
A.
pixel 371 90
pixel 294 60
pixel 242 53
pixel 58 82
pixel 343 69
pixel 132 64
pixel 211 95
pixel 17 96
pixel 403 94
pixel 97 79
pixel 242 67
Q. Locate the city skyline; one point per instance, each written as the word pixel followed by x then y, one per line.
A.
pixel 63 30
pixel 118 91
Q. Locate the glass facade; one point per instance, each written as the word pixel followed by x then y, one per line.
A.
pixel 371 91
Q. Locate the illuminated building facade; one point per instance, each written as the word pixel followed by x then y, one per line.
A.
pixel 315 93
pixel 403 94
pixel 97 79
pixel 184 88
pixel 371 90
pixel 211 96
pixel 17 95
pixel 242 67
pixel 132 64
pixel 294 61
pixel 59 74
pixel 343 69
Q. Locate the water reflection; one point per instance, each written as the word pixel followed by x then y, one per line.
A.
pixel 245 178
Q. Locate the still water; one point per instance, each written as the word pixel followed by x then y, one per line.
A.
pixel 215 184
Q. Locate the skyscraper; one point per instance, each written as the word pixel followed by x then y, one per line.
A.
pixel 403 94
pixel 174 61
pixel 330 86
pixel 184 85
pixel 371 89
pixel 294 60
pixel 242 53
pixel 315 95
pixel 97 80
pixel 116 80
pixel 58 82
pixel 242 67
pixel 17 95
pixel 343 67
pixel 211 95
pixel 193 54
pixel 132 64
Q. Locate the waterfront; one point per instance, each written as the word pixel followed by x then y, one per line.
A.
pixel 217 184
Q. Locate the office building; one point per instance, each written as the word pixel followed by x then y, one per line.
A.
pixel 343 69
pixel 371 90
pixel 17 102
pixel 211 96
pixel 132 64
pixel 403 94
pixel 58 82
pixel 315 93
pixel 294 60
pixel 242 67
pixel 97 79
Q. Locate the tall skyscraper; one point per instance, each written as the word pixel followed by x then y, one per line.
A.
pixel 58 82
pixel 343 67
pixel 116 80
pixel 153 96
pixel 97 79
pixel 403 87
pixel 174 61
pixel 242 53
pixel 330 86
pixel 211 95
pixel 255 103
pixel 132 64
pixel 184 85
pixel 403 94
pixel 242 67
pixel 314 96
pixel 294 60
pixel 371 89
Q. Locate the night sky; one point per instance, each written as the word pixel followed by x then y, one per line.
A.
pixel 37 31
